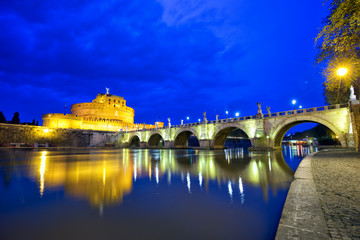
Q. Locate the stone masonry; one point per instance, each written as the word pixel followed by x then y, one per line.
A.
pixel 30 135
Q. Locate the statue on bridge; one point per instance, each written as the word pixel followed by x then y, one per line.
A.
pixel 352 94
pixel 205 119
pixel 259 112
pixel 107 91
pixel 169 122
pixel 268 110
pixel 182 122
pixel 126 128
pixel 217 118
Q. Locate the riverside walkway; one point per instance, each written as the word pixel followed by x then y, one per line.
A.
pixel 324 199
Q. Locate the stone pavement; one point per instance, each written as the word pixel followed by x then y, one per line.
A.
pixel 324 199
pixel 337 178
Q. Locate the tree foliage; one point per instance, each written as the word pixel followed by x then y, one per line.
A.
pixel 339 44
pixel 2 118
pixel 15 119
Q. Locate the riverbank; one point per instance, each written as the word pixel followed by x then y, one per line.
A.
pixel 324 199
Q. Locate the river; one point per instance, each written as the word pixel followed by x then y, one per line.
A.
pixel 144 193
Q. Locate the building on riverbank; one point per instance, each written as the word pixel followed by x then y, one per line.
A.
pixel 106 112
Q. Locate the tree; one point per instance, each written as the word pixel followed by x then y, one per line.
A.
pixel 339 44
pixel 2 118
pixel 15 119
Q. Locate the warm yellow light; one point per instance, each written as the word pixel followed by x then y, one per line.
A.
pixel 42 172
pixel 342 71
pixel 46 130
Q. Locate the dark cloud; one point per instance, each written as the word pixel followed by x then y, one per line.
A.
pixel 167 58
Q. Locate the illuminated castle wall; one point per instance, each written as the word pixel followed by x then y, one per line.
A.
pixel 105 113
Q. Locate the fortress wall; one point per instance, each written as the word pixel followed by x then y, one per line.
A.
pixel 103 110
pixel 12 133
pixel 71 121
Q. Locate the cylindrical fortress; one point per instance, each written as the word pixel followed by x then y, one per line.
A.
pixel 105 106
pixel 105 113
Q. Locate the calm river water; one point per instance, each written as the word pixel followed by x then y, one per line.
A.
pixel 144 194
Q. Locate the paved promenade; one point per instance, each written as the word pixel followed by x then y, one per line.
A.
pixel 324 199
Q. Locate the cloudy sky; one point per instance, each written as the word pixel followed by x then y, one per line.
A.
pixel 167 58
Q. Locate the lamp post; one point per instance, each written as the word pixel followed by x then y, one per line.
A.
pixel 341 72
pixel 227 112
pixel 293 103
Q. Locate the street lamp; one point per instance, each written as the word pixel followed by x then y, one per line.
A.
pixel 300 107
pixel 237 114
pixel 341 71
pixel 199 119
pixel 227 112
pixel 293 103
pixel 187 118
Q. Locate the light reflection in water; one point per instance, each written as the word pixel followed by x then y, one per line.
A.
pixel 104 178
pixel 241 188
pixel 42 172
pixel 157 174
pixel 188 182
pixel 230 189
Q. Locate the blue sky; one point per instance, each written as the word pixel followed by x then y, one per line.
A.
pixel 167 58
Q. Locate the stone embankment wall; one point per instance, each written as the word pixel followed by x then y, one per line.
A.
pixel 355 119
pixel 32 135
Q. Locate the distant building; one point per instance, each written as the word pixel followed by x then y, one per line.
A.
pixel 105 113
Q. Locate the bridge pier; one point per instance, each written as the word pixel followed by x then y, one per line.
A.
pixel 124 145
pixel 143 144
pixel 350 140
pixel 261 144
pixel 168 144
pixel 205 144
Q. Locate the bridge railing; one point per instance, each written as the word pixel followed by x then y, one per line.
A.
pixel 238 119
pixel 306 110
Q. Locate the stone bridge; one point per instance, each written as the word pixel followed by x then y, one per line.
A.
pixel 265 131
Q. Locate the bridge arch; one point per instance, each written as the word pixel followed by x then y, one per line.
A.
pixel 220 135
pixel 279 132
pixel 134 141
pixel 155 140
pixel 182 137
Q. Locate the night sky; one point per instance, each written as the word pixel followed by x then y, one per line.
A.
pixel 167 58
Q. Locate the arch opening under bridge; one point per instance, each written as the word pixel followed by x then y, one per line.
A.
pixel 156 141
pixel 134 142
pixel 279 133
pixel 231 137
pixel 185 139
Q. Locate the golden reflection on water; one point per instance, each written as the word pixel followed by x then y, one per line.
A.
pixel 42 172
pixel 105 177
